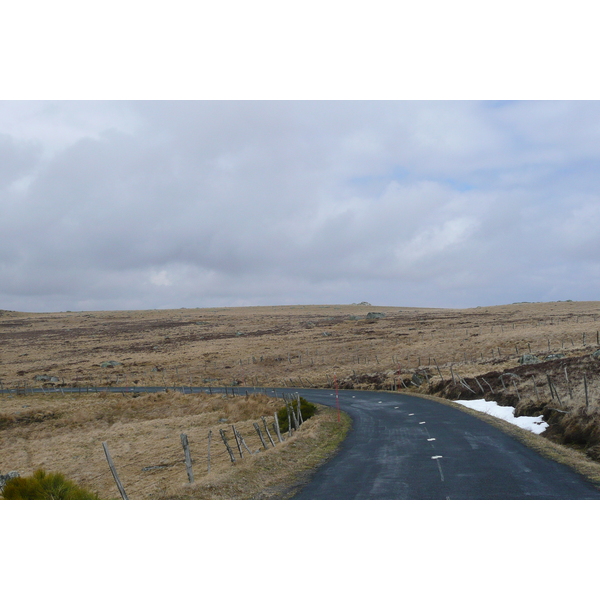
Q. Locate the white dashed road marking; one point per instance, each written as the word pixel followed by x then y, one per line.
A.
pixel 436 458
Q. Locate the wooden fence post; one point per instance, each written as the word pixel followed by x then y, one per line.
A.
pixel 188 457
pixel 300 420
pixel 267 430
pixel 480 386
pixel 113 470
pixel 585 386
pixel 287 406
pixel 227 445
pixel 487 383
pixel 438 369
pixel 554 391
pixel 568 385
pixel 516 390
pixel 277 430
pixel 209 437
pixel 294 420
pixel 235 434
pixel 239 435
pixel 260 435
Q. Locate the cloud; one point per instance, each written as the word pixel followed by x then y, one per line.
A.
pixel 160 278
pixel 157 204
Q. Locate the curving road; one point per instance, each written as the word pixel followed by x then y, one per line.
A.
pixel 408 448
pixel 403 447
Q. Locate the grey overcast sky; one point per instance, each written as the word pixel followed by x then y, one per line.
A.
pixel 169 204
pixel 252 155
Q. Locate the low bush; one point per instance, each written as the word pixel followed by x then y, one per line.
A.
pixel 307 410
pixel 45 486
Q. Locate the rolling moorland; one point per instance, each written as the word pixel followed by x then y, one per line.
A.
pixel 537 357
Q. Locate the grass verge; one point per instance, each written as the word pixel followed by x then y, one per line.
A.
pixel 278 473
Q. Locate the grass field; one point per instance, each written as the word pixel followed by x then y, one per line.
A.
pixel 273 345
pixel 142 431
pixel 451 353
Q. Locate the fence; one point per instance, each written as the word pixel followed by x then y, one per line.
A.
pixel 235 446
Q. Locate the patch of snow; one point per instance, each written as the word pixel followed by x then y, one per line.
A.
pixel 506 413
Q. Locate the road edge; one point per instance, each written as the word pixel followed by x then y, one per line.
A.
pixel 570 457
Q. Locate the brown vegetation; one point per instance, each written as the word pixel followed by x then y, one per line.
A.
pixel 143 435
pixel 463 353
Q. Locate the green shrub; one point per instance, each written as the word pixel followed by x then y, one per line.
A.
pixel 307 410
pixel 45 486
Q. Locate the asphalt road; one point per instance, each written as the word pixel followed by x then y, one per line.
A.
pixel 404 447
pixel 410 448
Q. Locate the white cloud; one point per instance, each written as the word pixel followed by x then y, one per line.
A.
pixel 436 240
pixel 160 278
pixel 263 202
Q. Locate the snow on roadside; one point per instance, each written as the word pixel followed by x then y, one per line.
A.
pixel 506 413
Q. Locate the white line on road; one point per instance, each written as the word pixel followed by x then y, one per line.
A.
pixel 436 458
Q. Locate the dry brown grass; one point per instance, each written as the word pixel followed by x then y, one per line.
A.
pixel 284 345
pixel 65 434
pixel 306 345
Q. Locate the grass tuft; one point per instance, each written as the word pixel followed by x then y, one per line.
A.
pixel 45 486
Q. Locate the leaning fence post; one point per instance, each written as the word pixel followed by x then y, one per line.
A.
pixel 294 420
pixel 452 373
pixel 237 440
pixel 516 390
pixel 486 383
pixel 277 430
pixel 188 457
pixel 260 435
pixel 438 369
pixel 227 445
pixel 239 435
pixel 553 390
pixel 267 430
pixel 480 386
pixel 113 470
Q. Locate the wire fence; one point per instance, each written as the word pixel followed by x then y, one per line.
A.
pixel 144 436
